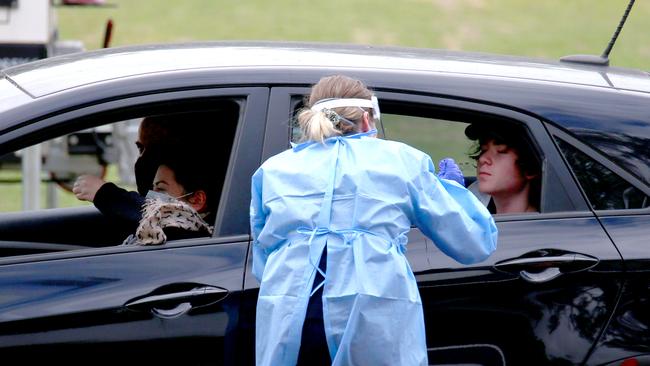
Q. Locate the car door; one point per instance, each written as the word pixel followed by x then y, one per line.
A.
pixel 546 293
pixel 621 201
pixel 284 103
pixel 177 302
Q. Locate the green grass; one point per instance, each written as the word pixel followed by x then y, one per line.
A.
pixel 440 139
pixel 549 28
pixel 12 193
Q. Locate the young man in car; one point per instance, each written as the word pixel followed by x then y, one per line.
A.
pixel 508 172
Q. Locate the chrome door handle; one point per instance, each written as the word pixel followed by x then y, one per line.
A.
pixel 539 266
pixel 173 304
pixel 179 310
pixel 184 295
pixel 543 276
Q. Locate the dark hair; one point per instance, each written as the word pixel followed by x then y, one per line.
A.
pixel 179 133
pixel 190 171
pixel 515 138
pixel 160 131
pixel 179 127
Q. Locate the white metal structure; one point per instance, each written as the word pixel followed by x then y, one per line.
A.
pixel 28 32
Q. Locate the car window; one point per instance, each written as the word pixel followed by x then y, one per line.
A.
pixel 105 151
pixel 437 137
pixel 604 189
pixel 104 145
pixel 108 151
pixel 440 132
pixel 450 140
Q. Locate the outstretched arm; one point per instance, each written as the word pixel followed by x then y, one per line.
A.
pixel 86 186
pixel 120 204
pixel 448 169
pixel 452 217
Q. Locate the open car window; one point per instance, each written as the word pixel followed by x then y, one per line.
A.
pixel 103 145
pixel 106 151
pixel 438 138
pixel 439 131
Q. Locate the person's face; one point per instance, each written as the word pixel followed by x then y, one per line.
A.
pixel 150 134
pixel 497 170
pixel 142 140
pixel 165 182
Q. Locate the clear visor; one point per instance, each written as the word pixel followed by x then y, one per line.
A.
pixel 373 103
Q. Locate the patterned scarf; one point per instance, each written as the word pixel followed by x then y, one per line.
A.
pixel 157 215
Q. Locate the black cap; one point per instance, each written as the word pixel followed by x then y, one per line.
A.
pixel 510 134
pixel 502 132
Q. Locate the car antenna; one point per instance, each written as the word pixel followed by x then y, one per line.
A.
pixel 602 60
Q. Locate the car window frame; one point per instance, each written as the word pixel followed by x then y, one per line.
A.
pixel 242 161
pixel 598 157
pixel 282 101
pixel 555 170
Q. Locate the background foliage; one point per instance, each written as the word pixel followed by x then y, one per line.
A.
pixel 549 28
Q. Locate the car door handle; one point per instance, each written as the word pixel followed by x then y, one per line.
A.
pixel 170 304
pixel 545 265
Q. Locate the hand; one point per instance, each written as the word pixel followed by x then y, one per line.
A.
pixel 448 169
pixel 86 187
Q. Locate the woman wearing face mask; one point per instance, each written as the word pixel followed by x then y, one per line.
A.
pixel 507 170
pixel 156 134
pixel 179 206
pixel 330 218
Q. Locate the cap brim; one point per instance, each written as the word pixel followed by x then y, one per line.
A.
pixel 486 131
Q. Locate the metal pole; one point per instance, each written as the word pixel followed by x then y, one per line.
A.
pixel 31 166
pixel 52 196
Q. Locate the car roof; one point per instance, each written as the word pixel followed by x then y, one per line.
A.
pixel 74 70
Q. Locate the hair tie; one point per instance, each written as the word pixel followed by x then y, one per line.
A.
pixel 335 118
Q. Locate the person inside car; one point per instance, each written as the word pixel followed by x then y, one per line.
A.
pixel 330 218
pixel 179 205
pixel 117 202
pixel 155 134
pixel 508 173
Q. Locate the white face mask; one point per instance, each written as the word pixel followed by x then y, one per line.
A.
pixel 164 197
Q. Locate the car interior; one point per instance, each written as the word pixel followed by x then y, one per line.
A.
pixel 211 124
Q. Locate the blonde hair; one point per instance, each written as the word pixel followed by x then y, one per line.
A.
pixel 315 126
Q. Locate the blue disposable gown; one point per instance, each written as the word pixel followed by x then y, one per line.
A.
pixel 356 196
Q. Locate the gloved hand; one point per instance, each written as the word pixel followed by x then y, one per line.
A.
pixel 448 169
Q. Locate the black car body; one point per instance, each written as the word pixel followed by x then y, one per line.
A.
pixel 568 285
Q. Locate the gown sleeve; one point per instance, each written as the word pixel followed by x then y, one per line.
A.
pixel 451 216
pixel 257 221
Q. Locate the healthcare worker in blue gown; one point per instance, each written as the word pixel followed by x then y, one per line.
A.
pixel 330 218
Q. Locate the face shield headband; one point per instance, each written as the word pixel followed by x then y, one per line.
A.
pixel 349 102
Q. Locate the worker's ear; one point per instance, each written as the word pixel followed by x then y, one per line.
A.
pixel 198 200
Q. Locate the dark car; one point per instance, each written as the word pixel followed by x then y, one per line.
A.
pixel 567 285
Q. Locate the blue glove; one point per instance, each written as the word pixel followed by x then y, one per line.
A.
pixel 448 169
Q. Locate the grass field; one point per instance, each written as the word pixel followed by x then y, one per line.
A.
pixel 549 29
